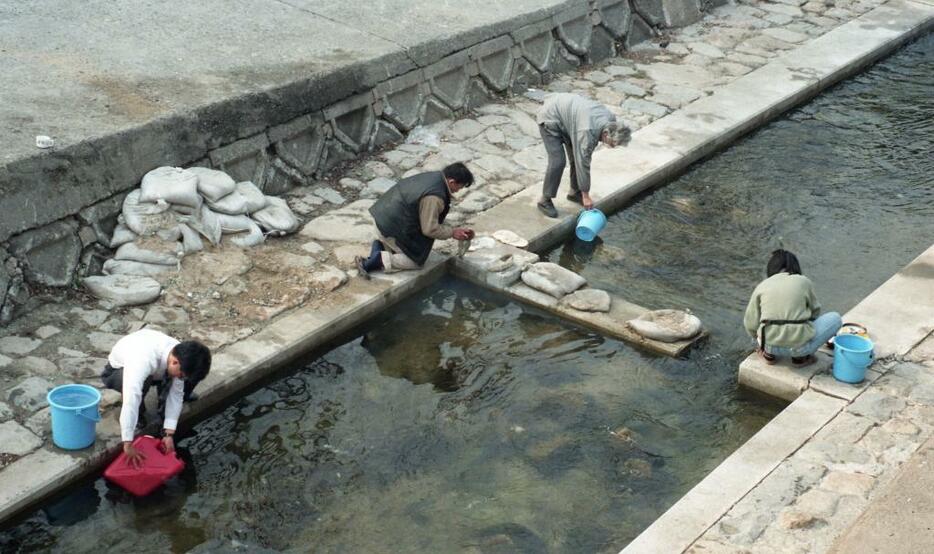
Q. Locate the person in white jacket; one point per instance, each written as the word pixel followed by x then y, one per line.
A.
pixel 575 125
pixel 145 358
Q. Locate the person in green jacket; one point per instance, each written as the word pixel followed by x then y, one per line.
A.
pixel 783 314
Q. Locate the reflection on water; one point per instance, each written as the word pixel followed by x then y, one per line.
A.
pixel 464 422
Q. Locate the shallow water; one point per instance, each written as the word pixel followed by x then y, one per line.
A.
pixel 465 422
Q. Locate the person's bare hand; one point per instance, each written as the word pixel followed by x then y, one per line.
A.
pixel 134 457
pixel 462 234
pixel 586 200
pixel 168 444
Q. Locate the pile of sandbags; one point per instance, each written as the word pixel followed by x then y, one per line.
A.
pixel 175 210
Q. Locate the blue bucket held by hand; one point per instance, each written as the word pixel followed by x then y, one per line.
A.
pixel 75 414
pixel 852 354
pixel 589 224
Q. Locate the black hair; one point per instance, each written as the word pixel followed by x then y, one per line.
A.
pixel 194 359
pixel 459 173
pixel 783 260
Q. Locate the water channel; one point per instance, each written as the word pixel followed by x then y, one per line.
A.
pixel 464 422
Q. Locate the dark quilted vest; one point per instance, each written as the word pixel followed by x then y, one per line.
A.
pixel 396 212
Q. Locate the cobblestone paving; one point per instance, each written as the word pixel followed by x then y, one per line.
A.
pixel 818 492
pixel 224 296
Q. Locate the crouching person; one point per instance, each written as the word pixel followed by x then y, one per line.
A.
pixel 410 217
pixel 146 358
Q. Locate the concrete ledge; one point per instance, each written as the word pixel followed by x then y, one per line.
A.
pixel 710 499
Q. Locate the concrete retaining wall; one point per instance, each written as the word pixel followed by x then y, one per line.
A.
pixel 60 207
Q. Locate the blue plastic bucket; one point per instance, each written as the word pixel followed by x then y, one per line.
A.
pixel 589 224
pixel 75 415
pixel 852 354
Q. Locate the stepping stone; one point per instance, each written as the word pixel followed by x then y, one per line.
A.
pixel 705 49
pixel 30 394
pixel 644 106
pixel 329 278
pixel 33 365
pixel 47 331
pixel 329 195
pixel 82 368
pixel 103 342
pixel 17 440
pixel 18 345
pixel 378 187
pixel 165 315
pixel 464 129
pixel 124 290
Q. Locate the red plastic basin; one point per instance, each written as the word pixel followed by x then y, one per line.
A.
pixel 155 470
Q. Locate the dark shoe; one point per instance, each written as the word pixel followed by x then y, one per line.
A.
pixel 192 397
pixel 769 358
pixel 548 208
pixel 358 261
pixel 804 360
pixel 576 197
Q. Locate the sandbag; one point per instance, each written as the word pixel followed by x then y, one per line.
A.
pixel 206 223
pixel 144 218
pixel 213 184
pixel 234 223
pixel 122 235
pixel 172 184
pixel 169 234
pixel 666 325
pixel 130 267
pixel 255 200
pixel 191 240
pixel 232 204
pixel 252 238
pixel 147 254
pixel 277 217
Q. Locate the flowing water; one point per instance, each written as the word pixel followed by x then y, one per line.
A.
pixel 464 422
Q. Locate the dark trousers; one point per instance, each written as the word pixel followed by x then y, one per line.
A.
pixel 559 153
pixel 112 377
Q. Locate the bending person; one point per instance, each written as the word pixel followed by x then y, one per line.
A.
pixel 572 123
pixel 410 217
pixel 783 311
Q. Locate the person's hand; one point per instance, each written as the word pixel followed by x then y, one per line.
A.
pixel 586 201
pixel 462 234
pixel 168 444
pixel 134 457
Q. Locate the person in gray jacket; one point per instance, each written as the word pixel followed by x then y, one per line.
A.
pixel 575 124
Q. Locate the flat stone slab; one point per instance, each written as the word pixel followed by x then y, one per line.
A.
pixel 17 440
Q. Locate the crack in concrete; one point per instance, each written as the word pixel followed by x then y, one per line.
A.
pixel 405 49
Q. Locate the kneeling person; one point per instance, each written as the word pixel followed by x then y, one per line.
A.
pixel 410 217
pixel 145 358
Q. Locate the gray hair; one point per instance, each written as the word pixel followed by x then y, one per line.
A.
pixel 617 132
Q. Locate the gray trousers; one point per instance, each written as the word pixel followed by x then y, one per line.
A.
pixel 559 153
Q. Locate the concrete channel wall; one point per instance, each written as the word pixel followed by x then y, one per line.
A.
pixel 59 207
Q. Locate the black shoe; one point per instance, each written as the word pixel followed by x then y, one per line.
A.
pixel 548 208
pixel 576 197
pixel 192 396
pixel 358 261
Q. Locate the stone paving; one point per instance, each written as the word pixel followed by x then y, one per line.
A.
pixel 225 295
pixel 817 493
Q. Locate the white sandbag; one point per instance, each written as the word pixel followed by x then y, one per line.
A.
pixel 191 240
pixel 124 290
pixel 172 184
pixel 149 253
pixel 122 235
pixel 666 325
pixel 553 279
pixel 255 200
pixel 184 210
pixel 277 217
pixel 252 238
pixel 213 184
pixel 130 267
pixel 234 223
pixel 232 204
pixel 144 218
pixel 205 223
pixel 169 234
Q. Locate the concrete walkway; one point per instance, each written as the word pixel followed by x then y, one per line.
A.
pixel 713 82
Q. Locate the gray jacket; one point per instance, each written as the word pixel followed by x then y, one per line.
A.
pixel 580 121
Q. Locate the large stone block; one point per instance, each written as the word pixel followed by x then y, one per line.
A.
pixel 402 99
pixel 352 121
pixel 50 253
pixel 13 290
pixel 602 45
pixel 449 79
pixel 435 110
pixel 615 16
pixel 244 160
pixel 525 76
pixel 102 216
pixel 385 133
pixel 575 29
pixel 639 31
pixel 650 10
pixel 537 44
pixel 281 178
pixel 478 94
pixel 494 61
pixel 335 153
pixel 300 142
pixel 679 13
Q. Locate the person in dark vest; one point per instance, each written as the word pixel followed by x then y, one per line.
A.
pixel 409 218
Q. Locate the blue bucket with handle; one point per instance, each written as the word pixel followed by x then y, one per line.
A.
pixel 75 414
pixel 852 354
pixel 589 224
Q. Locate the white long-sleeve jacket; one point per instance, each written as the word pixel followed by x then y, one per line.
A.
pixel 143 354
